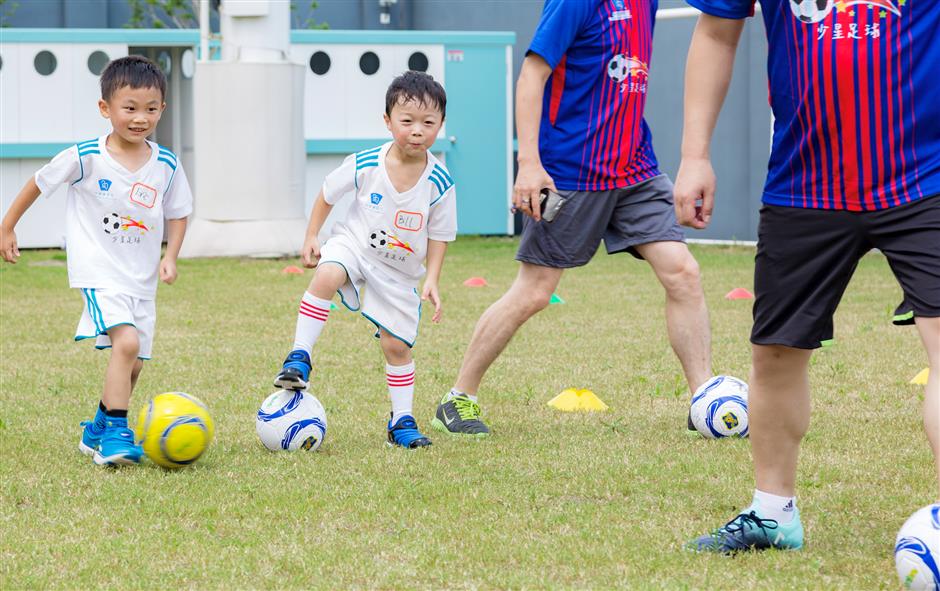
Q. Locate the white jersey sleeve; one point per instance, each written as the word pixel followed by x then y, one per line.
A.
pixel 442 216
pixel 66 167
pixel 341 181
pixel 178 198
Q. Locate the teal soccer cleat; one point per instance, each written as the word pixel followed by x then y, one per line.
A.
pixel 748 532
pixel 91 438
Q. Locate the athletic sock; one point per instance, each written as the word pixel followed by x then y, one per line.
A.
pixel 454 393
pixel 780 509
pixel 311 317
pixel 401 389
pixel 116 413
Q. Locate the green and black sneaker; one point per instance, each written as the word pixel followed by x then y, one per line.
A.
pixel 458 415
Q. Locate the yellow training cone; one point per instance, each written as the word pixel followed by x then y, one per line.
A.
pixel 572 400
pixel 921 378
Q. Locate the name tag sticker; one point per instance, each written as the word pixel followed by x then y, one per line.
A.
pixel 141 194
pixel 410 221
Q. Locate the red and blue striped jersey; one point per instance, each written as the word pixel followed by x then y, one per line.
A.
pixel 593 136
pixel 855 92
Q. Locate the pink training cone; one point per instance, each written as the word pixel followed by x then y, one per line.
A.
pixel 292 270
pixel 739 293
pixel 476 282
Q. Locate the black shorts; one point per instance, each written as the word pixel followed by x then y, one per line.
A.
pixel 805 258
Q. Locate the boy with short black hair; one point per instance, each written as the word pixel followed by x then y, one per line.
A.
pixel 405 213
pixel 121 187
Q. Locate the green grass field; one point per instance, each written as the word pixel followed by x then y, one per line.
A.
pixel 552 500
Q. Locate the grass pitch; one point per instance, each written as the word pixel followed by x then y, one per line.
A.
pixel 552 500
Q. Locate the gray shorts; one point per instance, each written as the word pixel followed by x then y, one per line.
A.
pixel 624 218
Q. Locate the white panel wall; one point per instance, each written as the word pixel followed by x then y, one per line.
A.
pixel 43 225
pixel 344 103
pixel 87 121
pixel 10 94
pixel 46 101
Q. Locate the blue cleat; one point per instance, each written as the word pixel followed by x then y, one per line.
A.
pixel 405 434
pixel 748 532
pixel 91 438
pixel 296 371
pixel 117 445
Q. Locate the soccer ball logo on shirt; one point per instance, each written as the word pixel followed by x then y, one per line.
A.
pixel 114 223
pixel 630 72
pixel 389 246
pixel 814 11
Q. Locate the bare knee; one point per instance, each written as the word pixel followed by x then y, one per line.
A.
pixel 125 344
pixel 327 279
pixel 396 351
pixel 532 290
pixel 768 360
pixel 683 279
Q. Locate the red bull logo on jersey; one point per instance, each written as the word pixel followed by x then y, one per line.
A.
pixel 814 11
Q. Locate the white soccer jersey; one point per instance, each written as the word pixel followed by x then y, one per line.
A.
pixel 391 227
pixel 114 217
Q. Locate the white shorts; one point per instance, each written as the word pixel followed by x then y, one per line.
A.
pixel 389 303
pixel 106 308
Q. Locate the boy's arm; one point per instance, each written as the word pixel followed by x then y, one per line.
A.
pixel 175 230
pixel 434 263
pixel 707 76
pixel 310 252
pixel 531 178
pixel 26 197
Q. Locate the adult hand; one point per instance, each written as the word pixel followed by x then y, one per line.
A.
pixel 310 252
pixel 530 181
pixel 695 192
pixel 8 248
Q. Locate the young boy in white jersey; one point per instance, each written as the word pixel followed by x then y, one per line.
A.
pixel 404 214
pixel 121 188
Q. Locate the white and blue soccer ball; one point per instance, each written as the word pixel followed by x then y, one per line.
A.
pixel 289 420
pixel 719 408
pixel 811 11
pixel 917 550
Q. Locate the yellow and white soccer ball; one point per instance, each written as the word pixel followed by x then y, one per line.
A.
pixel 174 429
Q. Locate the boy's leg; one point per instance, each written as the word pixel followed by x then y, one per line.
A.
pixel 117 442
pixel 400 377
pixel 929 329
pixel 312 314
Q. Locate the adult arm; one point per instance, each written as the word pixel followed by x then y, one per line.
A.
pixel 707 76
pixel 531 178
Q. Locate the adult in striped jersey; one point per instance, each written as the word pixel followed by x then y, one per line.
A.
pixel 122 192
pixel 855 165
pixel 579 113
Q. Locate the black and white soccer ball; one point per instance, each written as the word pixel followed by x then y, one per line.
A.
pixel 618 67
pixel 378 239
pixel 811 11
pixel 112 223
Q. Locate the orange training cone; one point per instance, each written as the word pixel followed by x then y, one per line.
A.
pixel 739 293
pixel 476 282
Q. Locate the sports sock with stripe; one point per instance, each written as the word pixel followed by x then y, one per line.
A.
pixel 311 316
pixel 401 388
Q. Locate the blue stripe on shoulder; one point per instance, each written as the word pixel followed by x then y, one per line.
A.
pixel 168 162
pixel 367 164
pixel 437 184
pixel 166 152
pixel 444 172
pixel 87 144
pixel 367 152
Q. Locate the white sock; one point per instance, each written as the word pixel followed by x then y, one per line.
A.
pixel 454 393
pixel 311 317
pixel 401 388
pixel 781 509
